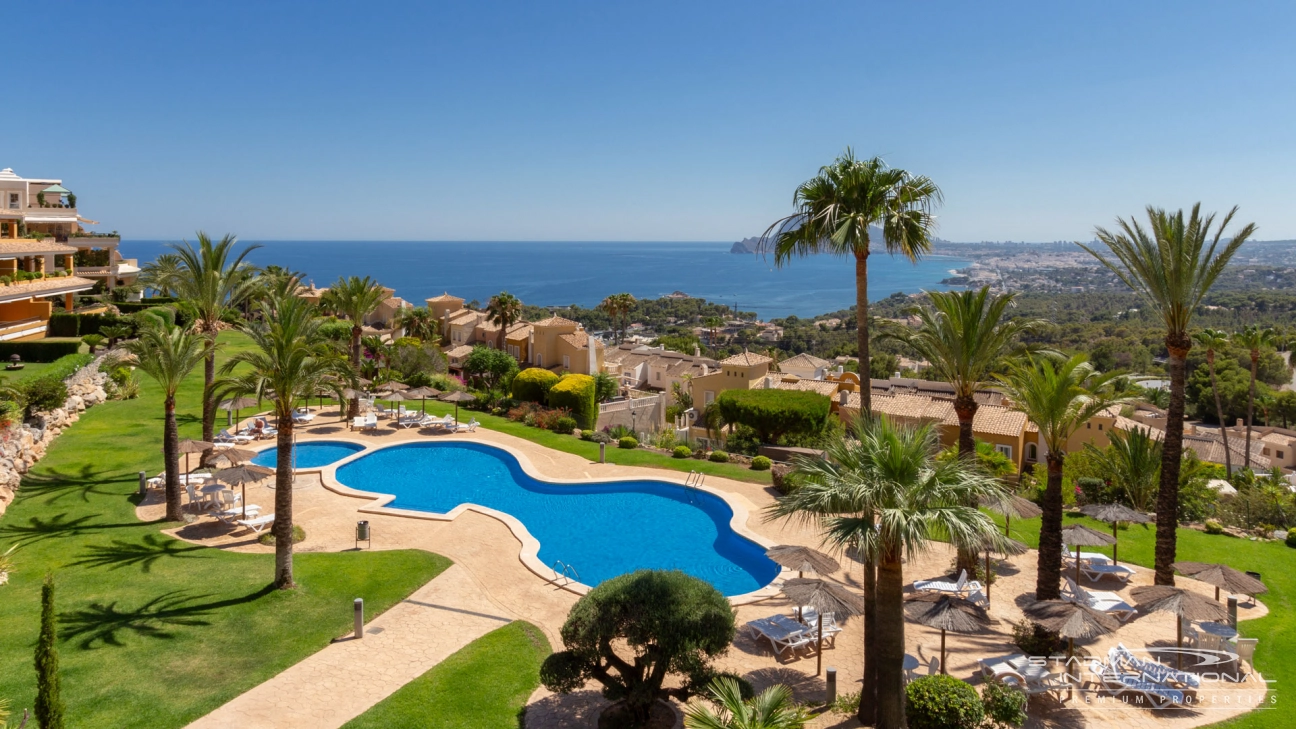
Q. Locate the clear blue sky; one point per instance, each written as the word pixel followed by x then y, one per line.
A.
pixel 645 120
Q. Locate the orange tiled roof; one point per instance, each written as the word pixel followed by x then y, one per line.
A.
pixel 29 247
pixel 805 360
pixel 520 330
pixel 823 387
pixel 444 297
pixel 746 359
pixel 556 321
pixel 577 339
pixel 462 350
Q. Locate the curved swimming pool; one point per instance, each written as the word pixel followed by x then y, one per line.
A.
pixel 600 529
pixel 311 454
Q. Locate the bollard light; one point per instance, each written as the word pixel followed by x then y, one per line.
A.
pixel 831 678
pixel 143 483
pixel 602 452
pixel 359 618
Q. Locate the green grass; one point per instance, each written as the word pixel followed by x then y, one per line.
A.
pixel 1273 560
pixel 483 686
pixel 156 632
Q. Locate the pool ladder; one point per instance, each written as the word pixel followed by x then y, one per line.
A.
pixel 564 571
pixel 693 483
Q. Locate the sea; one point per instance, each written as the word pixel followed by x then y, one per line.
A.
pixel 557 274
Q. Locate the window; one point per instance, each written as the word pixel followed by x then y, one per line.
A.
pixel 539 360
pixel 1088 426
pixel 1032 452
pixel 659 377
pixel 708 398
pixel 1100 426
pixel 1005 449
pixel 1280 454
pixel 566 362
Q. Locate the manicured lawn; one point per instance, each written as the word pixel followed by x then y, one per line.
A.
pixel 156 632
pixel 1273 560
pixel 483 686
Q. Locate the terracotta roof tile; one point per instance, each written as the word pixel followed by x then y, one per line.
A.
pixel 576 339
pixel 462 350
pixel 823 387
pixel 805 360
pixel 556 321
pixel 746 359
pixel 444 297
pixel 29 247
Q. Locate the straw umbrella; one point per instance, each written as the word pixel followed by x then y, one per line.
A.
pixel 243 475
pixel 824 597
pixel 946 612
pixel 235 456
pixel 802 559
pixel 1013 506
pixel 1115 514
pixel 1221 575
pixel 457 397
pixel 396 397
pixel 1184 604
pixel 188 445
pixel 423 393
pixel 1071 621
pixel 1079 536
pixel 238 403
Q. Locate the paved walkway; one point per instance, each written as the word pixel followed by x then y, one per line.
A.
pixel 342 681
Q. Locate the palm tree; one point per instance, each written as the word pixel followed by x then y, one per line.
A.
pixel 713 325
pixel 212 279
pixel 1131 462
pixel 1171 265
pixel 168 354
pixel 505 310
pixel 1212 340
pixel 1264 401
pixel 773 708
pixel 1059 396
pixel 354 298
pixel 291 360
pixel 888 497
pixel 618 307
pixel 834 212
pixel 1254 338
pixel 162 273
pixel 419 322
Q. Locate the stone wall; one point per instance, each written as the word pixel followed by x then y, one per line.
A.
pixel 22 444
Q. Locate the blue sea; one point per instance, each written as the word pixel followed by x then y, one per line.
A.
pixel 562 273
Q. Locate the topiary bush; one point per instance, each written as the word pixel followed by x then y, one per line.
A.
pixel 533 384
pixel 41 350
pixel 576 394
pixel 563 425
pixel 1291 539
pixel 718 457
pixel 773 413
pixel 628 443
pixel 1004 705
pixel 1214 527
pixel 42 394
pixel 682 451
pixel 761 463
pixel 942 702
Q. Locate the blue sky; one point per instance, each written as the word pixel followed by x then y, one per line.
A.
pixel 644 121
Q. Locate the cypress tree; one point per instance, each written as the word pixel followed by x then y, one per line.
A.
pixel 49 702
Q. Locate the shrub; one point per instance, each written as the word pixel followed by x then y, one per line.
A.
pixel 337 331
pixel 761 463
pixel 41 350
pixel 617 432
pixel 576 394
pixel 771 413
pixel 1291 539
pixel 1004 705
pixel 942 702
pixel 93 341
pixel 63 324
pixel 628 443
pixel 682 451
pixel 1034 639
pixel 1214 527
pixel 563 425
pixel 784 478
pixel 533 384
pixel 489 368
pixel 595 436
pixel 42 394
pixel 718 457
pixel 299 536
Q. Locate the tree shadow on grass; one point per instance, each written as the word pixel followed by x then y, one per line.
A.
pixel 58 485
pixel 59 526
pixel 102 624
pixel 144 553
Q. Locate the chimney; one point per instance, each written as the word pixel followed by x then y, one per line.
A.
pixel 843 397
pixel 769 382
pixel 704 369
pixel 841 370
pixel 697 352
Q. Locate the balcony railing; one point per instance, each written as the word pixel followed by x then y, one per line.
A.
pixel 23 328
pixel 93 241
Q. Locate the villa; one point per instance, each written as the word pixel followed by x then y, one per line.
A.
pixel 382 318
pixel 554 343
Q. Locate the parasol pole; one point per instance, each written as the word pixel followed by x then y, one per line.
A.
pixel 943 671
pixel 1007 521
pixel 1179 631
pixel 1115 542
pixel 1070 654
pixel 1077 565
pixel 243 489
pixel 819 649
pixel 987 576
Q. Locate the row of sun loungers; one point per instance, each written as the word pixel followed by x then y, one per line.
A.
pixel 415 420
pixel 787 635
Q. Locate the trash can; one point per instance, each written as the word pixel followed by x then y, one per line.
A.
pixel 362 533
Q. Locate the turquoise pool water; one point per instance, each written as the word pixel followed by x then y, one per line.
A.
pixel 312 454
pixel 602 529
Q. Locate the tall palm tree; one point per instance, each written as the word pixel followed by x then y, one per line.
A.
pixel 773 708
pixel 713 325
pixel 618 308
pixel 888 497
pixel 1059 396
pixel 419 322
pixel 1254 338
pixel 1132 462
pixel 354 298
pixel 291 360
pixel 212 278
pixel 1212 340
pixel 1171 265
pixel 505 310
pixel 168 354
pixel 162 273
pixel 834 212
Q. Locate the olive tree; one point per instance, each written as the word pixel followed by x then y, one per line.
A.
pixel 774 413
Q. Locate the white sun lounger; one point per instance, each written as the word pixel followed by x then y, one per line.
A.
pixel 415 421
pixel 1096 572
pixel 1116 682
pixel 962 585
pixel 781 636
pixel 1122 659
pixel 258 524
pixel 811 618
pixel 1087 557
pixel 1103 602
pixel 468 427
pixel 302 418
pixel 228 437
pixel 1018 671
pixel 234 514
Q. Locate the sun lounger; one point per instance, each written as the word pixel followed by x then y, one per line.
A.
pixel 1096 572
pixel 365 422
pixel 1116 682
pixel 782 637
pixel 1019 671
pixel 258 524
pixel 302 416
pixel 958 587
pixel 1087 558
pixel 1105 602
pixel 232 515
pixel 468 427
pixel 1122 659
pixel 811 618
pixel 413 420
pixel 227 437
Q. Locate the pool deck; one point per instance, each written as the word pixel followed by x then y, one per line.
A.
pixel 489 558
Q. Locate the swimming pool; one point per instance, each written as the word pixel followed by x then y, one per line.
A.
pixel 601 529
pixel 311 454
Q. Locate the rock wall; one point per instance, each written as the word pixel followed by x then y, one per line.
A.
pixel 22 444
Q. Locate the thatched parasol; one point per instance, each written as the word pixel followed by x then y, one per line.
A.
pixel 189 445
pixel 243 475
pixel 235 456
pixel 1071 621
pixel 423 393
pixel 394 386
pixel 231 406
pixel 1185 604
pixel 1114 514
pixel 1012 506
pixel 457 397
pixel 802 559
pixel 824 597
pixel 1221 575
pixel 947 612
pixel 1079 535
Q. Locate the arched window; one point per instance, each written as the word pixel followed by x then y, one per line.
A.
pixel 1032 452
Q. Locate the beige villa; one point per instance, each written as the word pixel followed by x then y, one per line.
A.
pixel 381 318
pixel 554 343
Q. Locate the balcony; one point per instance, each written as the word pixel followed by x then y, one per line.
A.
pixel 94 241
pixel 11 330
pixel 36 214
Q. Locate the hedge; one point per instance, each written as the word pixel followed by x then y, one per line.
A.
pixel 772 413
pixel 63 324
pixel 71 324
pixel 533 384
pixel 576 393
pixel 40 350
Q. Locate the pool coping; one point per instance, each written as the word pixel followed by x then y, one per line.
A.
pixel 529 554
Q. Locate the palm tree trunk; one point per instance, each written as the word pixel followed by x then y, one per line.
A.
pixel 283 523
pixel 867 712
pixel 1255 360
pixel 209 402
pixel 1050 545
pixel 353 407
pixel 965 407
pixel 171 456
pixel 891 643
pixel 861 327
pixel 1219 411
pixel 1167 516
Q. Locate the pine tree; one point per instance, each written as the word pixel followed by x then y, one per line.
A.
pixel 49 702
